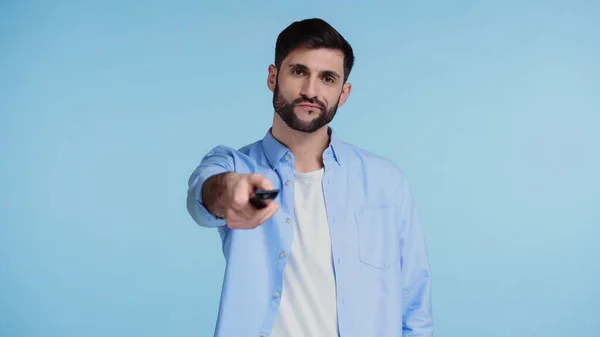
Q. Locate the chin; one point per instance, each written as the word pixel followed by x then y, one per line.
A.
pixel 299 112
pixel 307 116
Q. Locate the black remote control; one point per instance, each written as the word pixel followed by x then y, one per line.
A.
pixel 257 200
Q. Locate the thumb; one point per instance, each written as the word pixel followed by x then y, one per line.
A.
pixel 259 181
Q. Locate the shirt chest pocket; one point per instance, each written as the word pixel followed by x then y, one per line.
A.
pixel 378 236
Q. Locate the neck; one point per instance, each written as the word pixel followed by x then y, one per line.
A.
pixel 307 147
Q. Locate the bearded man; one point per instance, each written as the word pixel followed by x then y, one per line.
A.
pixel 339 250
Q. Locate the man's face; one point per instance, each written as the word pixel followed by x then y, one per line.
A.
pixel 308 88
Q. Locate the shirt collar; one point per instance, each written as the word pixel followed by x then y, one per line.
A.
pixel 274 150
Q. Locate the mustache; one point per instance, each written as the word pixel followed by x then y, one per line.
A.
pixel 308 100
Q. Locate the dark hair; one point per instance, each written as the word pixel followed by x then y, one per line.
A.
pixel 313 33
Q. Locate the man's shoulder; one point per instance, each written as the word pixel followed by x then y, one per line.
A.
pixel 244 159
pixel 370 159
pixel 244 150
pixel 250 147
pixel 385 179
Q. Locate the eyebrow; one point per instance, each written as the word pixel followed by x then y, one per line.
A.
pixel 324 72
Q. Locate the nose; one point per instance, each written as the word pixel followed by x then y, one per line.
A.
pixel 309 88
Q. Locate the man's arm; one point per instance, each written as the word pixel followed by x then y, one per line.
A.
pixel 417 317
pixel 218 161
pixel 221 184
pixel 213 191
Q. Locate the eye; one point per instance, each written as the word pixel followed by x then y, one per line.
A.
pixel 297 72
pixel 329 79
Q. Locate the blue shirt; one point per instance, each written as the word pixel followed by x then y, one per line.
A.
pixel 380 260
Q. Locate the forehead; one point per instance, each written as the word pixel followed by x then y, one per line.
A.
pixel 321 59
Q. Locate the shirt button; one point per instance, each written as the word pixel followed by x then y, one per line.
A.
pixel 287 183
pixel 263 335
pixel 287 157
pixel 282 254
pixel 288 220
pixel 276 295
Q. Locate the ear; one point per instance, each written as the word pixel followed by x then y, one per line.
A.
pixel 272 78
pixel 345 93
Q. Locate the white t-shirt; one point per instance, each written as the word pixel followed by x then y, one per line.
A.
pixel 308 300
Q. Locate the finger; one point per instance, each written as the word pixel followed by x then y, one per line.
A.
pixel 252 214
pixel 274 208
pixel 265 214
pixel 240 201
pixel 260 181
pixel 250 211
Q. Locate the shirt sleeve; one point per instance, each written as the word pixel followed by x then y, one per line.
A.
pixel 220 159
pixel 417 317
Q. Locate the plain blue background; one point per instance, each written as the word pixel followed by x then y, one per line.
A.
pixel 106 108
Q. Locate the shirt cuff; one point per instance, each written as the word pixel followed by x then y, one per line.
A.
pixel 196 206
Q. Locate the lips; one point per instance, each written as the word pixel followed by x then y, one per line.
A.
pixel 309 106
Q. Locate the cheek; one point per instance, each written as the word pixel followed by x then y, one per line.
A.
pixel 288 88
pixel 332 96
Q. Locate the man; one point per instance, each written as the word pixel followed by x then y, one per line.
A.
pixel 339 251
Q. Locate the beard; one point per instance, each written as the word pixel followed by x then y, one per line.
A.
pixel 285 110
